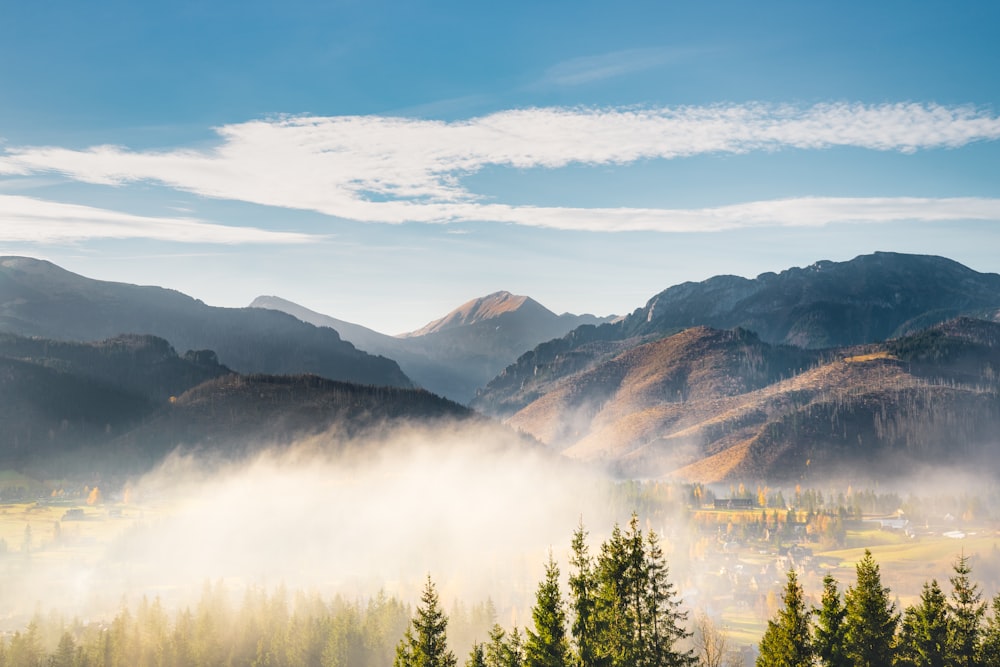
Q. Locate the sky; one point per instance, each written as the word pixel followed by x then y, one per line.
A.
pixel 383 162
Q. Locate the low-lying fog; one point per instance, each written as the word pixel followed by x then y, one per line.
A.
pixel 475 510
pixel 477 514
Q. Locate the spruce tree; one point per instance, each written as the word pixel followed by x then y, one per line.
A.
pixel 477 657
pixel 613 610
pixel 582 592
pixel 871 617
pixel 547 645
pixel 504 650
pixel 637 618
pixel 923 639
pixel 664 630
pixel 828 638
pixel 966 617
pixel 787 641
pixel 426 643
pixel 990 646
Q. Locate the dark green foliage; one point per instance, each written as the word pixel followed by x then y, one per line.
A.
pixel 966 611
pixel 477 657
pixel 547 645
pixel 828 637
pixel 935 632
pixel 923 636
pixel 583 587
pixel 426 641
pixel 787 641
pixel 503 649
pixel 990 648
pixel 871 617
pixel 630 614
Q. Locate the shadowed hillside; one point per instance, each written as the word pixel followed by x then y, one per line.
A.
pixel 40 299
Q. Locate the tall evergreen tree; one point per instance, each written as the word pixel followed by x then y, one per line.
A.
pixel 664 631
pixel 615 622
pixel 503 649
pixel 547 645
pixel 582 593
pixel 828 638
pixel 428 647
pixel 923 639
pixel 990 646
pixel 871 619
pixel 966 617
pixel 787 642
pixel 477 657
pixel 637 618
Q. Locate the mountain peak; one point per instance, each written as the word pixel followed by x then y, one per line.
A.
pixel 483 308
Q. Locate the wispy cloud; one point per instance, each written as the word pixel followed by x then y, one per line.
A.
pixel 589 69
pixel 30 220
pixel 392 170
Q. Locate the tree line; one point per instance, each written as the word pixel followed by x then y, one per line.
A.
pixel 863 627
pixel 622 611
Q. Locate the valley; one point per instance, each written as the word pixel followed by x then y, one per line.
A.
pixel 838 427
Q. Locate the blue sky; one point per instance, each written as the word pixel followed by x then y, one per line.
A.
pixel 383 162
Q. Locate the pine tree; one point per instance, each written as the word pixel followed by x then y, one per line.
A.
pixel 636 616
pixel 515 649
pixel 504 650
pixel 664 632
pixel 65 654
pixel 477 657
pixel 871 617
pixel 828 638
pixel 787 641
pixel 966 617
pixel 547 645
pixel 582 591
pixel 990 647
pixel 429 646
pixel 924 636
pixel 614 644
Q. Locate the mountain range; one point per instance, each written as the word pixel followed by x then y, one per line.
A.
pixel 828 304
pixel 880 364
pixel 37 298
pixel 457 354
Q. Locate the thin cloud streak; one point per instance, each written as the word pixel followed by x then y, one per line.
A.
pixel 394 170
pixel 589 69
pixel 794 212
pixel 30 220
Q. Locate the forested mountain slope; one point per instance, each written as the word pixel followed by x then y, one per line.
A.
pixel 828 304
pixel 40 299
pixel 710 405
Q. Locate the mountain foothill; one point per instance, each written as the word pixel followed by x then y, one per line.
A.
pixel 878 366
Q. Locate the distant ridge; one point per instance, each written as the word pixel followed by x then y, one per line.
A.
pixel 38 298
pixel 827 304
pixel 458 353
pixel 484 308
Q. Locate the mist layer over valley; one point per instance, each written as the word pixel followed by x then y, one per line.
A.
pixel 754 426
pixel 328 514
